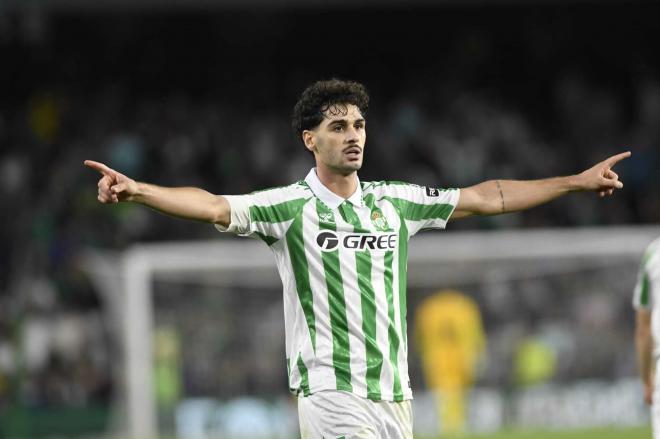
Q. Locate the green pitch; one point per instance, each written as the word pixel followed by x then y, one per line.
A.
pixel 602 433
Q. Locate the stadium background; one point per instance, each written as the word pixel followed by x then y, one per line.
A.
pixel 200 92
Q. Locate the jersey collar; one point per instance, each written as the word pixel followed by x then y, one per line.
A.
pixel 328 197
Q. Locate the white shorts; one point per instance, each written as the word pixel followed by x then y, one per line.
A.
pixel 332 414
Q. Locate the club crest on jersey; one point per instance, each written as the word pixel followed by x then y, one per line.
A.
pixel 379 221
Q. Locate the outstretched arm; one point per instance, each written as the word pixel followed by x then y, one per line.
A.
pixel 644 348
pixel 502 196
pixel 183 202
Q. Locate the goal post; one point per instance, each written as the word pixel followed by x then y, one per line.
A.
pixel 249 262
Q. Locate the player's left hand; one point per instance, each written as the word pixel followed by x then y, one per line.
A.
pixel 601 178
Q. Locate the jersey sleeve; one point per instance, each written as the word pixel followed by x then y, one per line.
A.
pixel 643 293
pixel 422 207
pixel 266 215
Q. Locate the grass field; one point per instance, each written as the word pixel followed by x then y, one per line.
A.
pixel 608 433
pixel 600 433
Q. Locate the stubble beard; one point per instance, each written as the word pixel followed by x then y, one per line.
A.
pixel 340 164
pixel 347 168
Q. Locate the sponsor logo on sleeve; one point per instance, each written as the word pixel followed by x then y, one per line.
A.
pixel 432 192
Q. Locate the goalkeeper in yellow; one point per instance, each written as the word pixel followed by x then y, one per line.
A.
pixel 450 340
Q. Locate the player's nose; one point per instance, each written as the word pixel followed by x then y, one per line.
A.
pixel 352 135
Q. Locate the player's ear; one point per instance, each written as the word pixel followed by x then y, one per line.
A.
pixel 309 140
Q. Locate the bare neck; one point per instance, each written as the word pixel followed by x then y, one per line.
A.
pixel 339 184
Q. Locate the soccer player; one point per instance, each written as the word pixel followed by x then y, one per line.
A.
pixel 450 340
pixel 341 248
pixel 647 328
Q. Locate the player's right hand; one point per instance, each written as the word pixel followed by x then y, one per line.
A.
pixel 113 186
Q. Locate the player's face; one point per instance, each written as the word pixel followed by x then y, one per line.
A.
pixel 338 141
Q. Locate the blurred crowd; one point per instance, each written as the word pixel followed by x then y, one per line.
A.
pixel 55 346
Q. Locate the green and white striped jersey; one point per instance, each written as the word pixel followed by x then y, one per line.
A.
pixel 647 290
pixel 343 265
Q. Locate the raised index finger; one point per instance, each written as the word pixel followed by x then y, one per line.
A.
pixel 617 158
pixel 100 167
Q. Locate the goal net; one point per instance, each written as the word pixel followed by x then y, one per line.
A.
pixel 201 330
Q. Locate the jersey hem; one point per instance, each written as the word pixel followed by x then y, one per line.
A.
pixel 362 393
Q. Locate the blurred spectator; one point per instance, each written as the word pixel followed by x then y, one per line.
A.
pixel 182 101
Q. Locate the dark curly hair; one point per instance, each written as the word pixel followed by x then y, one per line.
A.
pixel 318 97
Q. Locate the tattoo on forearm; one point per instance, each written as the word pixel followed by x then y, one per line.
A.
pixel 499 187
